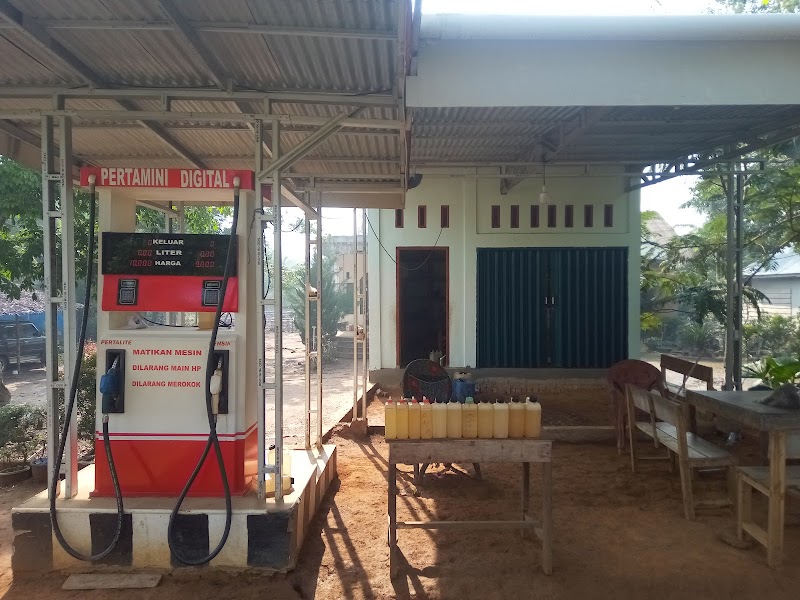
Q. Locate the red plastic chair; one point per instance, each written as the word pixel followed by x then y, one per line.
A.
pixel 637 373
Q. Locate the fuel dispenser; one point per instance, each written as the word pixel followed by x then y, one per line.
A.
pixel 177 405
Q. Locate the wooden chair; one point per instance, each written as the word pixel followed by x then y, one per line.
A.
pixel 638 373
pixel 423 377
pixel 757 478
pixel 666 424
pixel 690 370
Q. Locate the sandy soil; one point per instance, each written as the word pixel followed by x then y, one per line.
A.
pixel 617 535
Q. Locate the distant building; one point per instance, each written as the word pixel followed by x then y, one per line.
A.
pixel 345 269
pixel 780 282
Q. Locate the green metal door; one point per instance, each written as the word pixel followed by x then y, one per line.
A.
pixel 552 307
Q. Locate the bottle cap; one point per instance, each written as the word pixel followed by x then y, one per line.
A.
pixel 414 401
pixel 469 400
pixel 402 400
pixel 425 400
pixel 390 401
pixel 514 399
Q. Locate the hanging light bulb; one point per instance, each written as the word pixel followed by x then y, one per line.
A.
pixel 543 197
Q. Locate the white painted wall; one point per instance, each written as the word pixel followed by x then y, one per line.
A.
pixel 604 73
pixel 783 292
pixel 470 199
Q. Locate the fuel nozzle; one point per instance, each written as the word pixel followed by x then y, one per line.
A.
pixel 110 388
pixel 215 387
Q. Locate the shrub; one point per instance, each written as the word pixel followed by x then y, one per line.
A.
pixel 22 431
pixel 87 395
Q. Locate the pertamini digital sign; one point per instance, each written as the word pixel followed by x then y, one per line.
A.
pixel 166 254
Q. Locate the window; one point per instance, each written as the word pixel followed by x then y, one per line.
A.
pixel 515 216
pixel 422 217
pixel 535 216
pixel 445 216
pixel 347 275
pixel 551 215
pixel 496 216
pixel 569 215
pixel 588 215
pixel 398 218
pixel 608 215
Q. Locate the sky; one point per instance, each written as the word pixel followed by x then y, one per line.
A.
pixel 665 198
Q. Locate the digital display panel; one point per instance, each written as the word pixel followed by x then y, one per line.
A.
pixel 166 254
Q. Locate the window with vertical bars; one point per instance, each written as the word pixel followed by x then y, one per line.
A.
pixel 588 215
pixel 535 216
pixel 445 216
pixel 569 215
pixel 496 216
pixel 398 218
pixel 422 217
pixel 608 215
pixel 515 216
pixel 551 215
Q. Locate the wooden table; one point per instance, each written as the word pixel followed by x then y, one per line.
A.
pixel 743 407
pixel 525 451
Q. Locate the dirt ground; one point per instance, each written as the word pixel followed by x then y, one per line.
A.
pixel 617 535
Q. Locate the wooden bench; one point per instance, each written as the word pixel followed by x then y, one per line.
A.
pixel 666 424
pixel 758 478
pixel 690 370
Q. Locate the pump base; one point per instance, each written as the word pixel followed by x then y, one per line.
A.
pixel 264 534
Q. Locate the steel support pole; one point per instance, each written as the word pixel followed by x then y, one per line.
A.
pixel 307 334
pixel 52 286
pixel 738 284
pixel 318 346
pixel 278 296
pixel 260 328
pixel 355 314
pixel 365 304
pixel 730 269
pixel 67 202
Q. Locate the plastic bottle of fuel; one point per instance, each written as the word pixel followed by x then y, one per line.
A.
pixel 402 419
pixel 425 419
pixel 454 419
pixel 390 419
pixel 439 412
pixel 469 418
pixel 485 420
pixel 533 418
pixel 500 427
pixel 516 418
pixel 413 420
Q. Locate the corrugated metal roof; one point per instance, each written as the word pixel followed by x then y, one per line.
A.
pixel 785 264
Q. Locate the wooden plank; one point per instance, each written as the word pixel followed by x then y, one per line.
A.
pixel 777 491
pixel 392 520
pixel 466 524
pixel 688 368
pixel 756 532
pixel 547 518
pixel 111 581
pixel 473 451
pixel 744 407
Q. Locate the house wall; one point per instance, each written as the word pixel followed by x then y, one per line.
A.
pixel 470 199
pixel 783 292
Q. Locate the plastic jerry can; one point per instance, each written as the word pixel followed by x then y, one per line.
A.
pixel 469 419
pixel 516 419
pixel 425 419
pixel 439 420
pixel 485 420
pixel 402 419
pixel 500 427
pixel 454 419
pixel 286 467
pixel 390 419
pixel 533 418
pixel 413 420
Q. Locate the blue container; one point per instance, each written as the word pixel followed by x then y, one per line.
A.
pixel 463 389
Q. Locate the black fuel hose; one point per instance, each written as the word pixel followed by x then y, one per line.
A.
pixel 62 442
pixel 213 440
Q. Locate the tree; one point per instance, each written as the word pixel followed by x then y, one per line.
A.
pixel 335 301
pixel 21 237
pixel 759 6
pixel 199 219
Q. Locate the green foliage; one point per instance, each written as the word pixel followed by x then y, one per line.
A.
pixel 759 6
pixel 87 395
pixel 773 372
pixel 21 431
pixel 199 219
pixel 702 338
pixel 335 301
